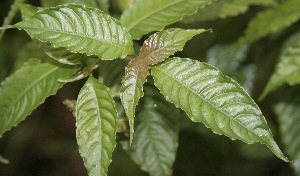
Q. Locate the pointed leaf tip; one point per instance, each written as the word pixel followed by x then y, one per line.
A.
pixel 96 126
pixel 209 97
pixel 161 45
pixel 135 76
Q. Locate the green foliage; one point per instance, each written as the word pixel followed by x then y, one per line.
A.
pixel 79 29
pixel 225 8
pixel 120 99
pixel 35 82
pixel 161 45
pixel 272 20
pixel 143 16
pixel 135 76
pixel 155 49
pixel 288 67
pixel 96 126
pixel 203 92
pixel 288 115
pixel 156 140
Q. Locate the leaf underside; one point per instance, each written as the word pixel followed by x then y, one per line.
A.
pixel 161 45
pixel 27 88
pixel 96 126
pixel 286 71
pixel 209 97
pixel 79 29
pixel 135 76
pixel 272 20
pixel 143 16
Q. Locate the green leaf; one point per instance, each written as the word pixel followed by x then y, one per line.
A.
pixel 219 102
pixel 62 55
pixel 161 45
pixel 27 88
pixel 286 71
pixel 135 76
pixel 272 20
pixel 145 16
pixel 225 8
pixel 156 140
pixel 96 126
pixel 79 29
pixel 288 114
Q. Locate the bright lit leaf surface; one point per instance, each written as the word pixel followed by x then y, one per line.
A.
pixel 96 126
pixel 209 97
pixel 79 29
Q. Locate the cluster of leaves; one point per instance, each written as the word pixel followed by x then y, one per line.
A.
pixel 80 36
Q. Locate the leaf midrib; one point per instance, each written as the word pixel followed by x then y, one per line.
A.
pixel 99 141
pixel 76 35
pixel 31 86
pixel 193 92
pixel 152 13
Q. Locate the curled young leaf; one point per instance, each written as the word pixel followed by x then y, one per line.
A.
pixel 135 76
pixel 79 29
pixel 219 102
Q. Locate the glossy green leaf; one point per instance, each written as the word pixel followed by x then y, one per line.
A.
pixel 209 97
pixel 225 8
pixel 96 126
pixel 62 55
pixel 27 88
pixel 145 16
pixel 287 70
pixel 288 114
pixel 79 29
pixel 272 20
pixel 135 76
pixel 229 59
pixel 161 45
pixel 156 139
